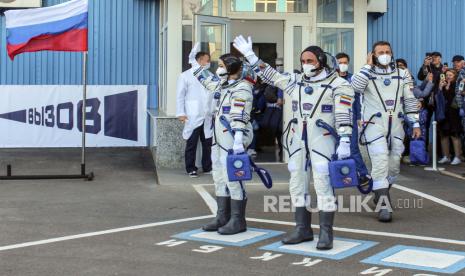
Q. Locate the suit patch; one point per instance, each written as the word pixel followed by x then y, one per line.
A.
pixel 295 105
pixel 226 109
pixel 347 98
pixel 389 102
pixel 307 106
pixel 344 102
pixel 327 108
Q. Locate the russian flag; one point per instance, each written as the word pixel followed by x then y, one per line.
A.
pixel 57 28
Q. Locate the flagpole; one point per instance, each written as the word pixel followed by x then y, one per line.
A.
pixel 74 6
pixel 83 110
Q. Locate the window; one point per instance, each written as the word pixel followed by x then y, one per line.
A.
pixel 297 6
pixel 186 46
pixel 163 58
pixel 205 7
pixel 297 47
pixel 290 5
pixel 335 11
pixel 265 5
pixel 270 6
pixel 334 40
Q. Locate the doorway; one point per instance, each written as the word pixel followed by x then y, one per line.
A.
pixel 268 44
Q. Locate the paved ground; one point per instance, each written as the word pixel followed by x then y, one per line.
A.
pixel 118 223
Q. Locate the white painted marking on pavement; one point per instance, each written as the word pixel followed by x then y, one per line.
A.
pixel 368 232
pixel 207 197
pixel 248 235
pixel 430 197
pixel 99 233
pixel 424 258
pixel 310 247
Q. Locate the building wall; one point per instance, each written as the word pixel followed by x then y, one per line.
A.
pixel 415 27
pixel 123 50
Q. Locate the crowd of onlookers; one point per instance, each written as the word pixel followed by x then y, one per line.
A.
pixel 440 90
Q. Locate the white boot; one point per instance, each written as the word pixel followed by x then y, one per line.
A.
pixel 444 160
pixel 456 161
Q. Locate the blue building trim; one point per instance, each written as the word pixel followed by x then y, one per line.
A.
pixel 415 27
pixel 123 50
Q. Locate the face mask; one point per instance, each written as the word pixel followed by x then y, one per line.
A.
pixel 343 68
pixel 384 59
pixel 309 70
pixel 222 73
pixel 207 66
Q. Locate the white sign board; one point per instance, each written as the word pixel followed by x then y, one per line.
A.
pixel 20 3
pixel 50 116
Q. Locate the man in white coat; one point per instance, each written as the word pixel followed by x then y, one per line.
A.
pixel 194 109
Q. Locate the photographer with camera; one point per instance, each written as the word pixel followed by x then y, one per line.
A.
pixel 432 64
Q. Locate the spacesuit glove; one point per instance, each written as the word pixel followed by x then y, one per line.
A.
pixel 343 150
pixel 238 146
pixel 245 47
pixel 192 55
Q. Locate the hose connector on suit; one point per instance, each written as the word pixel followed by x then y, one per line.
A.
pixel 362 133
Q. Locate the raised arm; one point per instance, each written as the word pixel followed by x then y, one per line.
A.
pixel 205 77
pixel 211 82
pixel 264 71
pixel 423 90
pixel 361 79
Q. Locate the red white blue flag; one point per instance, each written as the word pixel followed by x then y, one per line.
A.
pixel 61 27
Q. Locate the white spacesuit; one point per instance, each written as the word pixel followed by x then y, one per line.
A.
pixel 323 96
pixel 233 100
pixel 388 100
